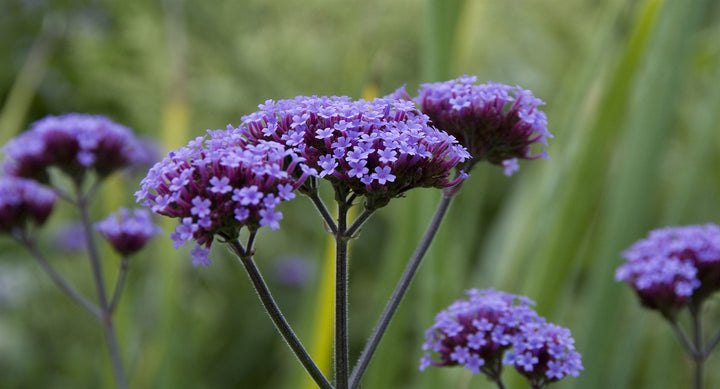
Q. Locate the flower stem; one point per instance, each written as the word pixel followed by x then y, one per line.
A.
pixel 341 298
pixel 119 284
pixel 713 343
pixel 58 279
pixel 107 322
pixel 245 257
pixel 698 356
pixel 400 290
pixel 358 222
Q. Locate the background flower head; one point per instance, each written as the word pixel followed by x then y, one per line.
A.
pixel 23 202
pixel 128 230
pixel 496 122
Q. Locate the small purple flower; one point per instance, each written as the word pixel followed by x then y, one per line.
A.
pixel 347 141
pixel 23 202
pixel 220 185
pixel 673 267
pixel 496 122
pixel 494 328
pixel 127 231
pixel 74 143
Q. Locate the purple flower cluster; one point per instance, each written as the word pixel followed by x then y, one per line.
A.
pixel 219 185
pixel 377 149
pixel 128 231
pixel 673 267
pixel 494 121
pixel 74 143
pixel 23 202
pixel 493 328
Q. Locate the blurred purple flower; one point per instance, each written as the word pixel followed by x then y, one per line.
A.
pixel 493 328
pixel 75 143
pixel 23 202
pixel 294 271
pixel 673 267
pixel 496 122
pixel 70 237
pixel 378 149
pixel 128 231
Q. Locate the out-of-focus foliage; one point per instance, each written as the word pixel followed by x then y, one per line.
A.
pixel 632 99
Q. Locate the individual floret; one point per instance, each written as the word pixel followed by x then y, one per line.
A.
pixel 496 122
pixel 128 231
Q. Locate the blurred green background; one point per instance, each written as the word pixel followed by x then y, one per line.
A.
pixel 633 99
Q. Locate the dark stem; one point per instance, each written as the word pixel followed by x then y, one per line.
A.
pixel 342 365
pixel 119 284
pixel 312 193
pixel 683 338
pixel 400 290
pixel 245 257
pixel 108 328
pixel 57 278
pixel 713 343
pixel 698 357
pixel 357 223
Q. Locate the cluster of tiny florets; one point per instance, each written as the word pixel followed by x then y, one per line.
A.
pixel 23 202
pixel 128 231
pixel 377 149
pixel 493 328
pixel 219 185
pixel 496 122
pixel 74 143
pixel 673 267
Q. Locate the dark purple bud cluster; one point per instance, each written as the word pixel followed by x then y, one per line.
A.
pixel 673 267
pixel 128 231
pixel 496 122
pixel 220 185
pixel 23 202
pixel 378 149
pixel 493 328
pixel 74 143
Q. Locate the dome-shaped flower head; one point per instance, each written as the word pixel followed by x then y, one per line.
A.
pixel 493 328
pixel 128 231
pixel 220 185
pixel 74 143
pixel 378 149
pixel 496 122
pixel 544 353
pixel 23 202
pixel 673 267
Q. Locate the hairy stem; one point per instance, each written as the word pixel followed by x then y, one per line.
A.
pixel 341 296
pixel 271 307
pixel 400 290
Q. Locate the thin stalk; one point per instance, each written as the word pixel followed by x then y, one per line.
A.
pixel 312 193
pixel 358 222
pixel 58 279
pixel 107 322
pixel 119 284
pixel 713 343
pixel 683 338
pixel 400 290
pixel 342 365
pixel 698 357
pixel 271 307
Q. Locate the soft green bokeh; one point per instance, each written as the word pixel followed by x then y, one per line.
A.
pixel 632 99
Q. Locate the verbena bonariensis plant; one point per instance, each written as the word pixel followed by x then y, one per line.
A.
pixel 86 149
pixel 369 152
pixel 677 269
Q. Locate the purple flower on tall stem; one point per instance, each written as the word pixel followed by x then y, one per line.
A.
pixel 74 143
pixel 496 122
pixel 673 267
pixel 128 231
pixel 493 328
pixel 23 202
pixel 219 185
pixel 378 149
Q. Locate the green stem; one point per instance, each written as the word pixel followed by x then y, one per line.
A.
pixel 341 295
pixel 698 357
pixel 119 284
pixel 271 307
pixel 400 290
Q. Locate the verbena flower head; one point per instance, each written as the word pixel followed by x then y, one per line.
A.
pixel 23 202
pixel 496 122
pixel 378 149
pixel 128 231
pixel 74 143
pixel 673 267
pixel 220 185
pixel 493 328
